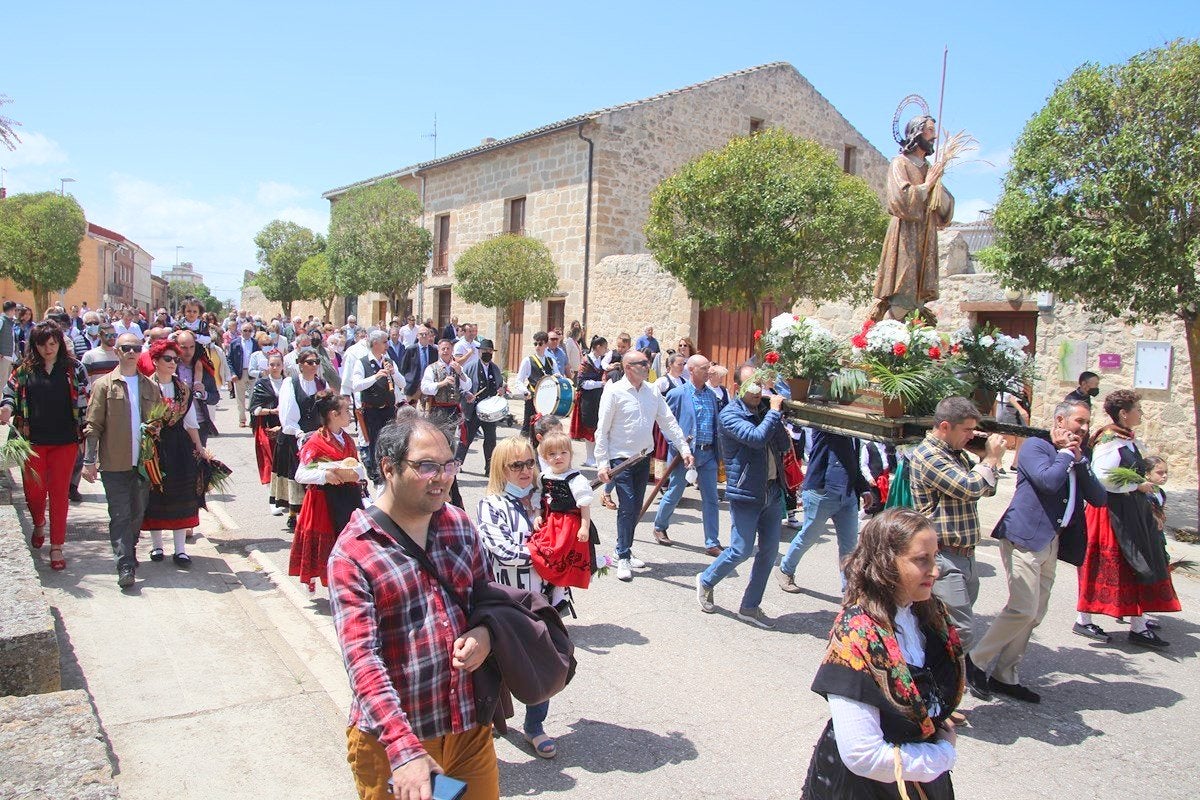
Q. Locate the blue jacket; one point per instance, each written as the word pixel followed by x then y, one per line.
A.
pixel 239 360
pixel 1034 516
pixel 683 407
pixel 833 465
pixel 747 441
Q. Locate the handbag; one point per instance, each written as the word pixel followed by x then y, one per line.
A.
pixel 793 475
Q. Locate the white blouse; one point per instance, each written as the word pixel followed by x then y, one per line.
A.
pixel 860 739
pixel 308 472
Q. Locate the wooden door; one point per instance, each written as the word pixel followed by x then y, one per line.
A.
pixel 726 337
pixel 516 336
pixel 443 311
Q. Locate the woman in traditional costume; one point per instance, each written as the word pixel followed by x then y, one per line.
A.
pixel 589 385
pixel 329 465
pixel 264 421
pixel 171 454
pixel 1125 571
pixel 893 673
pixel 297 417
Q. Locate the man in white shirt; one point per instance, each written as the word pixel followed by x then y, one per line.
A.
pixel 128 324
pixel 628 410
pixel 466 349
pixel 408 332
pixel 378 388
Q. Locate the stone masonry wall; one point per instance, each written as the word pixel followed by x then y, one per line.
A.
pixel 637 147
pixel 630 292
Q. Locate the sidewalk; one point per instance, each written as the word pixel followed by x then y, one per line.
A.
pixel 195 688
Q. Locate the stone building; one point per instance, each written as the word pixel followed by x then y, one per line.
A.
pixel 109 267
pixel 1108 347
pixel 582 186
pixel 183 272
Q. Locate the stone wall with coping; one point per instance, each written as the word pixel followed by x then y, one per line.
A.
pixel 54 747
pixel 630 292
pixel 29 653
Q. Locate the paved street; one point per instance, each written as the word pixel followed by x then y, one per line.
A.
pixel 224 681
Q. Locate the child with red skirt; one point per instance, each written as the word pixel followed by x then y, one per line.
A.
pixel 329 465
pixel 563 549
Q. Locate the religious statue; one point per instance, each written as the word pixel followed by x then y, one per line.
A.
pixel 919 205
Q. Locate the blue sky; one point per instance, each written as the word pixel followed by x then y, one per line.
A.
pixel 196 124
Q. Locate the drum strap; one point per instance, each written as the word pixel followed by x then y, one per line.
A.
pixel 533 359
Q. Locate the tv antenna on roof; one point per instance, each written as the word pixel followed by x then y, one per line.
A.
pixel 433 135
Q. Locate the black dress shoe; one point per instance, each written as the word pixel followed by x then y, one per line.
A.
pixel 73 495
pixel 182 560
pixel 977 681
pixel 156 554
pixel 1014 690
pixel 1090 631
pixel 1148 638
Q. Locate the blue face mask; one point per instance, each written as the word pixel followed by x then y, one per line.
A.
pixel 516 491
pixel 93 330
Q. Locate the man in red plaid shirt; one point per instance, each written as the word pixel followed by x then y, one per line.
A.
pixel 405 641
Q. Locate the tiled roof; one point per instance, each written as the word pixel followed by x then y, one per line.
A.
pixel 105 232
pixel 545 129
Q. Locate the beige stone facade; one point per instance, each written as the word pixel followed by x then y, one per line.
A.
pixel 635 146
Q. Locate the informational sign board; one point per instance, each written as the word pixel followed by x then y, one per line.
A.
pixel 1152 365
pixel 1110 361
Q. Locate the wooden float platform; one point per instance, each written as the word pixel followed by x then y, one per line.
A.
pixel 859 422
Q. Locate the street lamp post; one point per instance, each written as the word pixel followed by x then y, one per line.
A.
pixel 62 186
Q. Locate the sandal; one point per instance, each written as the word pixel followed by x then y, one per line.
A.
pixel 57 564
pixel 607 501
pixel 156 554
pixel 542 745
pixel 38 538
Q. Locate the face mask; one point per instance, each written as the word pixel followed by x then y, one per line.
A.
pixel 92 330
pixel 1093 392
pixel 485 357
pixel 516 491
pixel 274 337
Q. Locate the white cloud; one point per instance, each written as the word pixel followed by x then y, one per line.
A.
pixel 969 210
pixel 35 150
pixel 216 233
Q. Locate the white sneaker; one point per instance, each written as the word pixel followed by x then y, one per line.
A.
pixel 589 462
pixel 624 570
pixel 704 596
pixel 636 563
pixel 276 511
pixel 793 522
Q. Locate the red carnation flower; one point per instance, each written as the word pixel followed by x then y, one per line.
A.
pixel 859 341
pixel 935 352
pixel 796 317
pixel 955 349
pixel 757 335
pixel 899 348
pixel 771 358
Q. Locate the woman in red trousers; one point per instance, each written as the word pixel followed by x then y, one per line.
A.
pixel 46 397
pixel 329 465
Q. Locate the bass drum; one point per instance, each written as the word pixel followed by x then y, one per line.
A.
pixel 554 395
pixel 493 409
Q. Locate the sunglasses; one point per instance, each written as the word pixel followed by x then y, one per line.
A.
pixel 642 363
pixel 517 466
pixel 129 348
pixel 310 362
pixel 169 359
pixel 428 470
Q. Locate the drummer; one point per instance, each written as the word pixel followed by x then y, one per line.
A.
pixel 534 367
pixel 488 381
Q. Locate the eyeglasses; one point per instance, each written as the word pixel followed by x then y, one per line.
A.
pixel 428 470
pixel 517 466
pixel 129 348
pixel 168 359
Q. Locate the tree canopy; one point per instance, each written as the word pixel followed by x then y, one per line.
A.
pixel 179 290
pixel 39 243
pixel 316 281
pixel 1102 203
pixel 767 217
pixel 282 248
pixel 375 242
pixel 503 270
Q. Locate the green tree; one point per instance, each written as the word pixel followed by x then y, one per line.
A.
pixel 1102 202
pixel 503 270
pixel 767 217
pixel 282 248
pixel 316 282
pixel 375 242
pixel 39 244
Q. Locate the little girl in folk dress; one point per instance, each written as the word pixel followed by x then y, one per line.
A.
pixel 563 548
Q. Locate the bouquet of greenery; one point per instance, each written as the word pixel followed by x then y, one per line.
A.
pixel 904 360
pixel 15 451
pixel 805 348
pixel 213 476
pixel 990 360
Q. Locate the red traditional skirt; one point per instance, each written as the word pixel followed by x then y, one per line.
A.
pixel 660 444
pixel 1106 583
pixel 556 552
pixel 264 452
pixel 580 431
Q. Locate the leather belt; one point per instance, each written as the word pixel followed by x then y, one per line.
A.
pixel 444 405
pixel 700 447
pixel 957 549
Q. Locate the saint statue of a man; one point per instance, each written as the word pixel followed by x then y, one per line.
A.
pixel 908 268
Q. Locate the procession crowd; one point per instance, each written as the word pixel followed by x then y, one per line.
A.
pixel 360 433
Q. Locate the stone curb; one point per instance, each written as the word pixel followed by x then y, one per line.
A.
pixel 29 653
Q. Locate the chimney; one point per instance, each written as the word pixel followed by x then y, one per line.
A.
pixel 488 140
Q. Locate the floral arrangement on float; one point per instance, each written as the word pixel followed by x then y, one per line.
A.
pixel 802 351
pixel 992 362
pixel 907 362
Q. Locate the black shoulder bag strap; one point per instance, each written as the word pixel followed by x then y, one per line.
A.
pixel 413 551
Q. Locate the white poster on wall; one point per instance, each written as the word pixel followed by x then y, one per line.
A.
pixel 1152 365
pixel 1072 360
